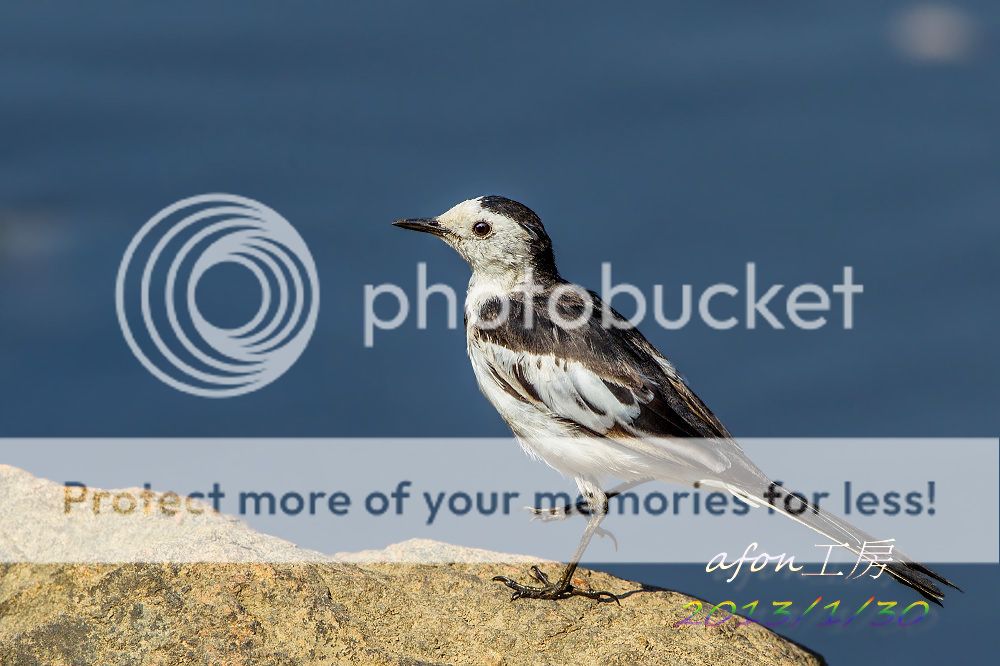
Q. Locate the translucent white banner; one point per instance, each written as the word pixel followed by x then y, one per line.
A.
pixel 117 500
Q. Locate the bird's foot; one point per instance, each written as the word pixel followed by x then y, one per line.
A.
pixel 563 512
pixel 550 590
pixel 546 514
pixel 551 513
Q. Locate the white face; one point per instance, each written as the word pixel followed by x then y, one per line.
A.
pixel 489 241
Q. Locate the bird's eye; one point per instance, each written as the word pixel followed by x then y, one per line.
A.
pixel 481 229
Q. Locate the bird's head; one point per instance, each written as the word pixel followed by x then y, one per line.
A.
pixel 494 234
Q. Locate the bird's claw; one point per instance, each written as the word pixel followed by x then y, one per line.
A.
pixel 559 512
pixel 550 590
pixel 539 575
pixel 601 532
pixel 545 515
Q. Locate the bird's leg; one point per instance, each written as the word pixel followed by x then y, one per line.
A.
pixel 563 587
pixel 582 507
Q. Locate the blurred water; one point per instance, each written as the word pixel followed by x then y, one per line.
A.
pixel 677 141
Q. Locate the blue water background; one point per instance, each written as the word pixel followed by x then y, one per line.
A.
pixel 676 140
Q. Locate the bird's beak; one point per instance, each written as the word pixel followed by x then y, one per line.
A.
pixel 426 224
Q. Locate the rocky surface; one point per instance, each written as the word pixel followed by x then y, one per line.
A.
pixel 340 612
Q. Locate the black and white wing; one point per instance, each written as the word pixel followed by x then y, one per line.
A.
pixel 599 381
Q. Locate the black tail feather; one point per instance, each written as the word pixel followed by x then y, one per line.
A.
pixel 915 569
pixel 903 569
pixel 938 577
pixel 919 578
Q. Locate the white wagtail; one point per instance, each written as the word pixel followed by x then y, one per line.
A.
pixel 585 392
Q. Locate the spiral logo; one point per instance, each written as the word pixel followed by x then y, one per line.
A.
pixel 158 310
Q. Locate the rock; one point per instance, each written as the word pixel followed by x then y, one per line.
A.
pixel 346 614
pixel 337 612
pixel 37 525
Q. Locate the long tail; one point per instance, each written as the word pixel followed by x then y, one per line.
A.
pixel 906 571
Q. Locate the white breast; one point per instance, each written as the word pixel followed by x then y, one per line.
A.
pixel 546 436
pixel 551 438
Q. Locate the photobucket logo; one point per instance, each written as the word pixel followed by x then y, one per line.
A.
pixel 155 295
pixel 720 306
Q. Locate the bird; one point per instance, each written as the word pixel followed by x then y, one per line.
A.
pixel 586 393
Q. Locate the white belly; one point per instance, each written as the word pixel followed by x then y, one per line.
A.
pixel 545 437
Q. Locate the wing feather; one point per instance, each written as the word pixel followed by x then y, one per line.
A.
pixel 608 382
